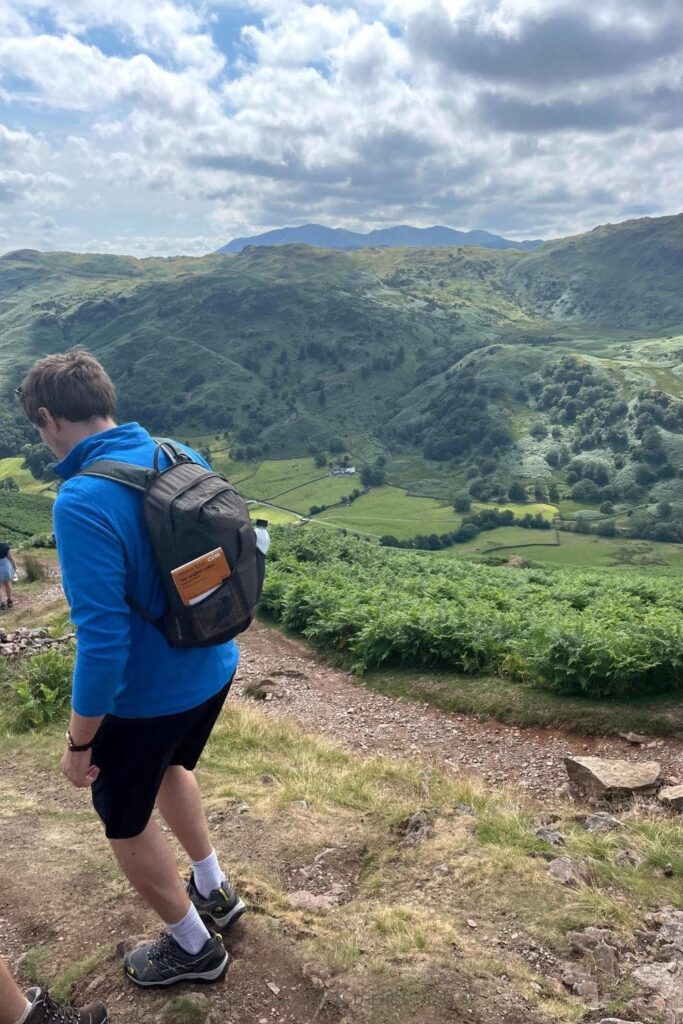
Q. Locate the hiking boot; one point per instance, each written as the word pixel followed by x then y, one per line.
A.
pixel 46 1011
pixel 10 603
pixel 222 906
pixel 164 962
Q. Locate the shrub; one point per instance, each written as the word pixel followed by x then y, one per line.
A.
pixel 517 492
pixel 40 540
pixel 592 632
pixel 613 655
pixel 39 689
pixel 34 569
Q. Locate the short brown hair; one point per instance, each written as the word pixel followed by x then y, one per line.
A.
pixel 73 386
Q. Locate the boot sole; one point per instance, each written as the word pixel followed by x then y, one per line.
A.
pixel 207 976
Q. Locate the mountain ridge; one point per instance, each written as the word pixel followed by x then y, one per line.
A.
pixel 323 237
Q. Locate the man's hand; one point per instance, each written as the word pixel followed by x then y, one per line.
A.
pixel 77 765
pixel 78 768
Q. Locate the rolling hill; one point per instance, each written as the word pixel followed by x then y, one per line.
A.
pixel 481 366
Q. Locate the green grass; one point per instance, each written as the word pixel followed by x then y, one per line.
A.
pixel 494 697
pixel 273 515
pixel 186 1009
pixel 387 510
pixel 568 508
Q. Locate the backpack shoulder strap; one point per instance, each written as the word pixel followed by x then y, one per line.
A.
pixel 136 477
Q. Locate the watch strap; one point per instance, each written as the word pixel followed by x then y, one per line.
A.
pixel 76 748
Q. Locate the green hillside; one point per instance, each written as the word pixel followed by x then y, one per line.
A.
pixel 467 370
pixel 618 275
pixel 24 515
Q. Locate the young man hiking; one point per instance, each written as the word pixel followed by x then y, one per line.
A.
pixel 142 710
pixel 36 1007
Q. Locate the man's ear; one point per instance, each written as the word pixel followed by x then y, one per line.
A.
pixel 44 418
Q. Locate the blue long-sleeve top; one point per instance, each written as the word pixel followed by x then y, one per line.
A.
pixel 124 665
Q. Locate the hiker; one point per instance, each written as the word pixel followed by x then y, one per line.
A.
pixel 36 1007
pixel 8 569
pixel 142 710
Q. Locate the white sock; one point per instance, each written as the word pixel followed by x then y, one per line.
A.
pixel 208 874
pixel 27 1010
pixel 191 933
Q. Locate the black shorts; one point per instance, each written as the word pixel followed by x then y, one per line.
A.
pixel 133 755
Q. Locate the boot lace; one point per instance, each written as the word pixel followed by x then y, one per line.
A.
pixel 56 1013
pixel 162 950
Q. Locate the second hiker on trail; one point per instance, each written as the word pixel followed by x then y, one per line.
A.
pixel 142 709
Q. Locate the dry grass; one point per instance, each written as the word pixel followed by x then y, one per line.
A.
pixel 408 913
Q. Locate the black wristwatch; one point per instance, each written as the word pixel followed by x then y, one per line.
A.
pixel 74 747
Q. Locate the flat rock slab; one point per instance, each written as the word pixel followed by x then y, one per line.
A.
pixel 601 778
pixel 672 796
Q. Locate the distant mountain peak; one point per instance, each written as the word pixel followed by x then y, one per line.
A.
pixel 323 237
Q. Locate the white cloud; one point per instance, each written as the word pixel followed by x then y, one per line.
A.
pixel 475 113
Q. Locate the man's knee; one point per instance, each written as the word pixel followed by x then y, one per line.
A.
pixel 176 773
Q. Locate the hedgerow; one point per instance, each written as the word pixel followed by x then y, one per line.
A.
pixel 601 633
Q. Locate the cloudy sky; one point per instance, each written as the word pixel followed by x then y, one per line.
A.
pixel 166 126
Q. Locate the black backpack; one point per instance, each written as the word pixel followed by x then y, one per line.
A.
pixel 189 511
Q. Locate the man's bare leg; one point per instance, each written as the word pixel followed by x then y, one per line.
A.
pixel 13 1002
pixel 150 866
pixel 180 803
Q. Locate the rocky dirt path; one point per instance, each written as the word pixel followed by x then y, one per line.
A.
pixel 300 685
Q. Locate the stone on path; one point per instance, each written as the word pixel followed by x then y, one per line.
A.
pixel 634 738
pixel 602 778
pixel 672 796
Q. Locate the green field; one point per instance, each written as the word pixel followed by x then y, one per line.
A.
pixel 387 510
pixel 12 467
pixel 520 509
pixel 504 540
pixel 275 516
pixel 273 478
pixel 574 549
pixel 328 491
